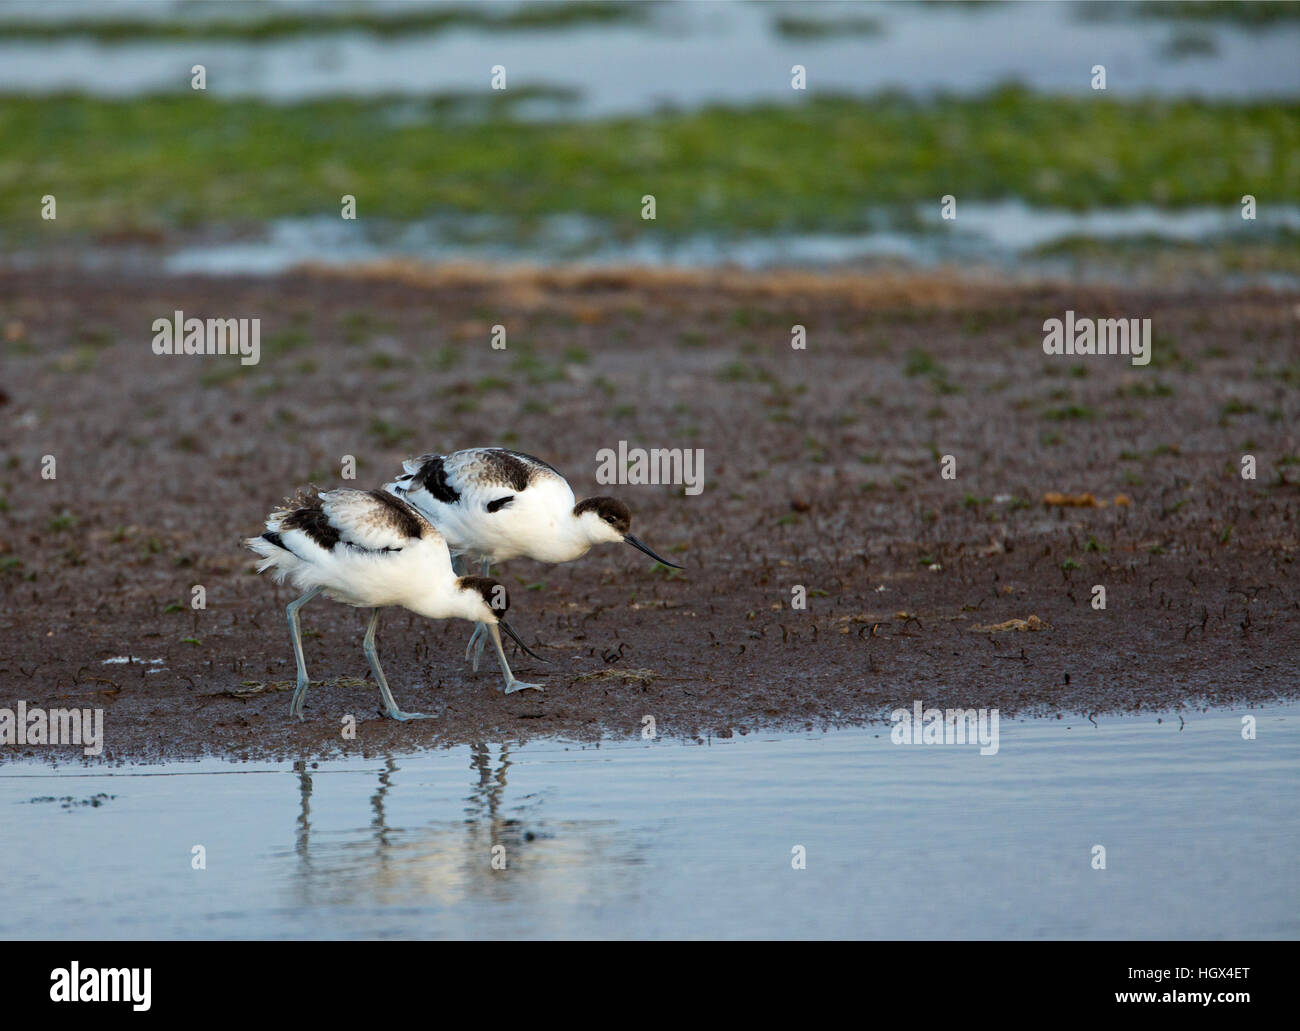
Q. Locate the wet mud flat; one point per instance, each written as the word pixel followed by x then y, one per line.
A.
pixel 822 471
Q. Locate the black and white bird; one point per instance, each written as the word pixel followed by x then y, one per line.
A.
pixel 370 549
pixel 494 504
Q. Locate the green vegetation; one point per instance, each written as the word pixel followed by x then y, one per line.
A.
pixel 180 161
pixel 920 363
pixel 1255 13
pixel 797 27
pixel 388 434
pixel 1193 42
pixel 266 23
pixel 1274 249
pixel 1066 412
pixel 1142 390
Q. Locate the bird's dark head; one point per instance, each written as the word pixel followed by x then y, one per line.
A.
pixel 489 605
pixel 607 520
pixel 615 515
pixel 490 593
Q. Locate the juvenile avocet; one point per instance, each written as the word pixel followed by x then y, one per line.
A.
pixel 494 504
pixel 370 550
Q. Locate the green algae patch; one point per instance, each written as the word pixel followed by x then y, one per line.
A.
pixel 180 161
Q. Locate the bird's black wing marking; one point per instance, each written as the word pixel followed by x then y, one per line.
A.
pixel 506 469
pixel 275 539
pixel 500 503
pixel 433 478
pixel 312 521
pixel 399 515
pixel 531 458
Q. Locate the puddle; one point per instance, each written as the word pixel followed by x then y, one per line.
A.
pixel 119 660
pixel 1003 235
pixel 668 840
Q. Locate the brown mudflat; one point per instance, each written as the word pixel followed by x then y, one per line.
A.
pixel 822 470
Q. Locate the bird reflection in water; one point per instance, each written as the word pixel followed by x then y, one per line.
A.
pixel 444 860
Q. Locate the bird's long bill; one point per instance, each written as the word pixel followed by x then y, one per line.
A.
pixel 517 639
pixel 641 547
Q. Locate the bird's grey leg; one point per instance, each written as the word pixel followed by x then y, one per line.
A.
pixel 459 565
pixel 512 685
pixel 295 635
pixel 390 706
pixel 478 641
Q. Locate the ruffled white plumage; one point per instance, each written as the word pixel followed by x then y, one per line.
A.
pixel 373 564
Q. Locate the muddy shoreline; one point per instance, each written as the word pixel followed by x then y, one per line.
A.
pixel 822 471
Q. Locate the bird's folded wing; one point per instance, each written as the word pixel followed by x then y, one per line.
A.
pixel 374 520
pixel 483 468
pixel 412 466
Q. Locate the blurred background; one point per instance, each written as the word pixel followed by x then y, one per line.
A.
pixel 604 103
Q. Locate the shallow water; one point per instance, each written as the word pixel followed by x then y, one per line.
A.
pixel 1001 237
pixel 1003 233
pixel 688 55
pixel 659 839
